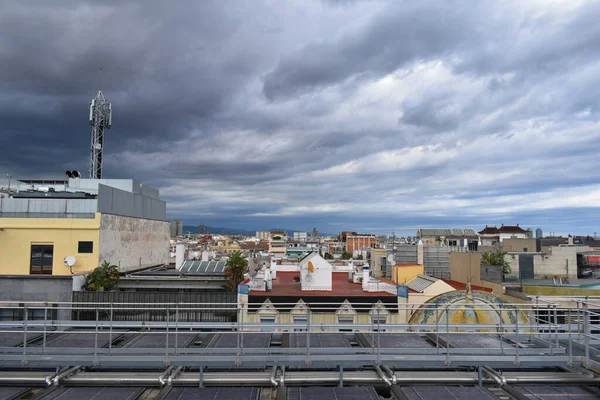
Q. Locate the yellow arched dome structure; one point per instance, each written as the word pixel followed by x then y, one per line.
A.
pixel 462 307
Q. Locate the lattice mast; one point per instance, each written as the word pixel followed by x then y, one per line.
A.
pixel 100 119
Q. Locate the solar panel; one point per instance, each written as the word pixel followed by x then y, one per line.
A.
pixel 394 340
pixel 222 393
pixel 229 340
pixel 327 393
pixel 472 340
pixel 560 392
pixel 158 340
pixel 10 393
pixel 319 340
pixel 96 393
pixel 79 339
pixel 12 339
pixel 447 393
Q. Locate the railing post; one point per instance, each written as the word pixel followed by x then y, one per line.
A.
pixel 578 322
pixel 501 330
pixel 176 326
pixel 537 314
pixel 586 333
pixel 25 318
pixel 378 338
pixel 517 328
pixel 341 368
pixel 110 328
pixel 570 343
pixel 45 322
pixel 201 377
pixel 308 315
pixel 167 335
pixel 447 336
pixel 96 335
pixel 556 330
pixel 437 331
pixel 242 335
pixel 239 317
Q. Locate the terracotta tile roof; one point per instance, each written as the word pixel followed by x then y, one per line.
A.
pixel 284 285
pixel 462 286
pixel 489 230
pixel 511 229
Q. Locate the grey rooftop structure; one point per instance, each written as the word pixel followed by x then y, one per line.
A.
pixel 460 232
pixel 82 198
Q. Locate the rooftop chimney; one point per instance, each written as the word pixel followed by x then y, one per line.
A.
pixel 366 276
pixel 570 240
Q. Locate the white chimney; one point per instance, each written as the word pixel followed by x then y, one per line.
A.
pixel 570 240
pixel 420 252
pixel 268 279
pixel 366 276
pixel 179 255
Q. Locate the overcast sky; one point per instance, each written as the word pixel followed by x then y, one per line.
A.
pixel 366 115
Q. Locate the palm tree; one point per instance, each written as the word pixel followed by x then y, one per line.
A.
pixel 237 266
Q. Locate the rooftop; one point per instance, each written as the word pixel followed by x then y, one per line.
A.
pixel 285 285
pixel 458 232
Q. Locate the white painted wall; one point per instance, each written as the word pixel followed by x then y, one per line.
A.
pixel 132 243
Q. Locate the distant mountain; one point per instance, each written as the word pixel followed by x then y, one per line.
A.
pixel 217 230
pixel 234 231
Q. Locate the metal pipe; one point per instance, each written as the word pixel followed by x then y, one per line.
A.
pixel 382 376
pixel 64 374
pixel 174 375
pixel 282 377
pixel 272 378
pixel 499 379
pixel 161 378
pixel 390 373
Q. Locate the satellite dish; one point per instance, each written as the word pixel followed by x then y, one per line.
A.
pixel 76 174
pixel 308 278
pixel 390 259
pixel 69 174
pixel 311 266
pixel 69 261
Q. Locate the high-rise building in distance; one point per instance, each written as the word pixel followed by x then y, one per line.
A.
pixel 176 228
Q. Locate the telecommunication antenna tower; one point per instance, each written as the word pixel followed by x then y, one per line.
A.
pixel 100 119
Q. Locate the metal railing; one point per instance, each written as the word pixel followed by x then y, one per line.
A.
pixel 542 334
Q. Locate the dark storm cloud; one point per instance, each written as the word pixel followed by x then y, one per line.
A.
pixel 384 114
pixel 403 33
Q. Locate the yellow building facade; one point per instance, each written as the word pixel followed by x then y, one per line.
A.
pixel 22 238
pixel 402 273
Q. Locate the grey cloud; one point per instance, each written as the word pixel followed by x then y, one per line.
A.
pixel 403 33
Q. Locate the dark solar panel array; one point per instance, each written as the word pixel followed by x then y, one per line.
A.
pixel 546 392
pixel 203 267
pixel 230 340
pixel 394 340
pixel 10 393
pixel 12 339
pixel 319 340
pixel 471 341
pixel 447 393
pixel 222 393
pixel 159 339
pixel 79 339
pixel 96 393
pixel 328 393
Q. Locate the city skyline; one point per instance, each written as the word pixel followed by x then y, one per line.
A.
pixel 367 115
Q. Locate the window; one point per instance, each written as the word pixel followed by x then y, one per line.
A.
pixel 346 321
pixel 525 249
pixel 377 322
pixel 267 320
pixel 42 257
pixel 85 247
pixel 301 322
